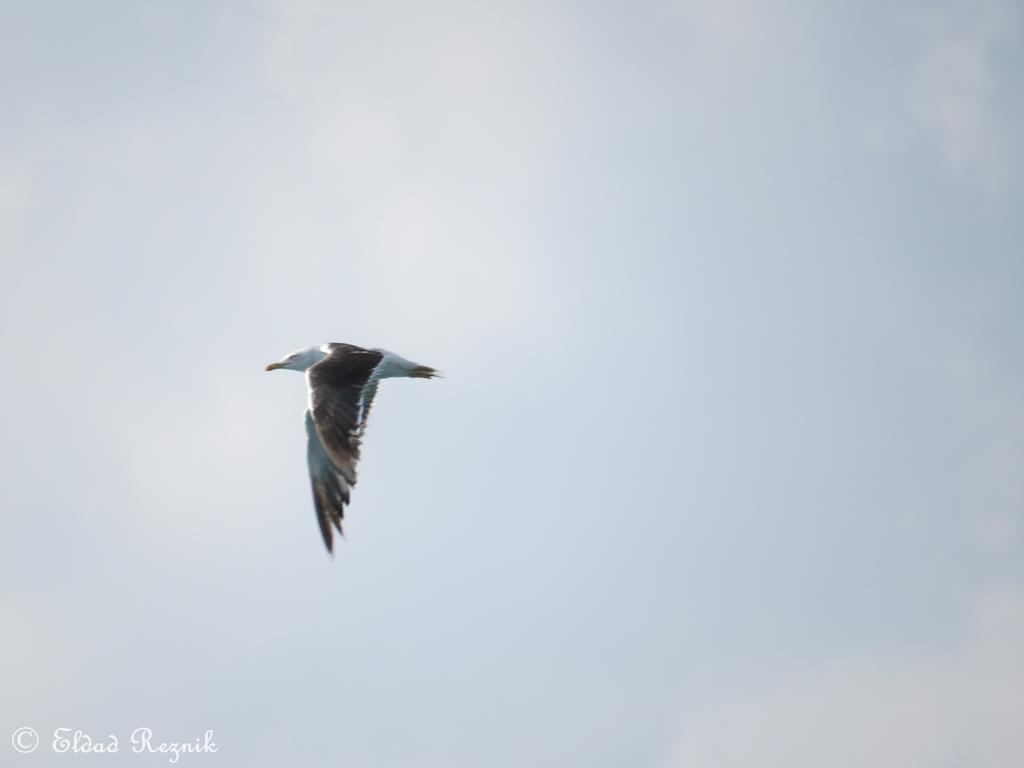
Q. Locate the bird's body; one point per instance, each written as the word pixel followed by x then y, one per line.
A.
pixel 342 380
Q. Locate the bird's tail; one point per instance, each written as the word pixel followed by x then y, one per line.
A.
pixel 424 372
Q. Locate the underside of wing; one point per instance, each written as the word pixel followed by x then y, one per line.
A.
pixel 331 490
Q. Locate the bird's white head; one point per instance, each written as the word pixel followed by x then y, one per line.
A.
pixel 299 360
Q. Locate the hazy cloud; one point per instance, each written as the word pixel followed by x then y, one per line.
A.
pixel 725 468
pixel 959 94
pixel 950 706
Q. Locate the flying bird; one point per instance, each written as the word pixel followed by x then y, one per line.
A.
pixel 342 380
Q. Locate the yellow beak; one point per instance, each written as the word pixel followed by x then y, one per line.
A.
pixel 274 366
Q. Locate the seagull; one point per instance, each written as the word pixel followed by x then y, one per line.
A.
pixel 342 380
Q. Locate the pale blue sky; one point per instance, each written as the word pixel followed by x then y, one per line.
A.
pixel 726 470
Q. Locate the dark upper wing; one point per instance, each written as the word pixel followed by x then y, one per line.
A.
pixel 341 388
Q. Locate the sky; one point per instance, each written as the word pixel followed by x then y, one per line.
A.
pixel 726 467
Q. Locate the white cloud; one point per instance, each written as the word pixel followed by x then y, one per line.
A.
pixel 614 197
pixel 888 710
pixel 33 656
pixel 427 131
pixel 984 398
pixel 955 97
pixel 15 195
